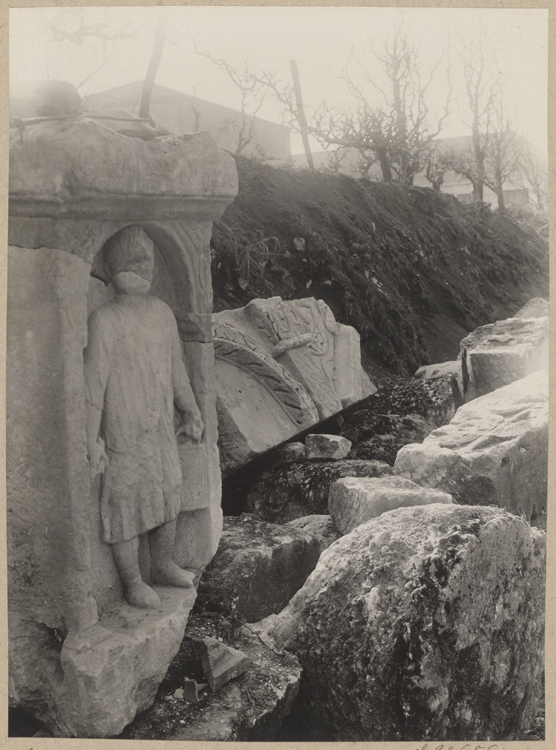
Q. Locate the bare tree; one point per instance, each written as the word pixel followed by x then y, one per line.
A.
pixel 400 131
pixel 395 135
pixel 252 92
pixel 437 163
pixel 371 132
pixel 406 97
pixel 483 87
pixel 463 162
pixel 76 25
pixel 532 176
pixel 503 155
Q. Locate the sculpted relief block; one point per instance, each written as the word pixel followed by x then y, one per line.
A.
pixel 281 367
pixel 112 466
pixel 301 336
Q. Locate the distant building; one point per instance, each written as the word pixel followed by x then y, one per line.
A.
pixel 182 113
pixel 346 161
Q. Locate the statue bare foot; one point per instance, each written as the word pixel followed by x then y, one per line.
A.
pixel 170 574
pixel 141 595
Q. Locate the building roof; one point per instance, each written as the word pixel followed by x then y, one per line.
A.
pixel 163 94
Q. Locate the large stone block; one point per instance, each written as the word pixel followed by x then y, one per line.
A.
pixel 46 466
pixel 426 623
pixel 78 160
pixel 355 500
pixel 79 661
pixel 497 354
pixel 93 686
pixel 289 492
pixel 258 568
pixel 282 366
pixel 494 451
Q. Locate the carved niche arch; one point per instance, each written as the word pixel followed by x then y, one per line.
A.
pixel 181 273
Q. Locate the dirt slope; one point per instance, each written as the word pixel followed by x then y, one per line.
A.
pixel 412 270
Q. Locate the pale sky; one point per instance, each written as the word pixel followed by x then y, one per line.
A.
pixel 266 38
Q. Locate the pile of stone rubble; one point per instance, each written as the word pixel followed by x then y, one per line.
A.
pixel 399 602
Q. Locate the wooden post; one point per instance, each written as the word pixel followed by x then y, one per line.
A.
pixel 154 62
pixel 301 113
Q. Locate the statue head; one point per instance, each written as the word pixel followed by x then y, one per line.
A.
pixel 129 260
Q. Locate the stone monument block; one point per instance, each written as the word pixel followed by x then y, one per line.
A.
pixel 355 500
pixel 281 367
pixel 425 625
pixel 82 659
pixel 499 353
pixel 493 452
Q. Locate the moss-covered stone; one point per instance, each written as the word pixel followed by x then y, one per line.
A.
pixel 425 623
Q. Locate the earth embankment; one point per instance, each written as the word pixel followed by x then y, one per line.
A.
pixel 411 269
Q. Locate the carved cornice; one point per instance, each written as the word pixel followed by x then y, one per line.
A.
pixel 232 345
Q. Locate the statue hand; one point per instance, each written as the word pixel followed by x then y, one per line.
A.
pixel 192 427
pixel 98 460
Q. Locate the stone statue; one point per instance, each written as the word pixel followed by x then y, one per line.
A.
pixel 134 375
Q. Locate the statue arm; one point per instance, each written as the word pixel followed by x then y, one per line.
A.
pixel 184 398
pixel 95 444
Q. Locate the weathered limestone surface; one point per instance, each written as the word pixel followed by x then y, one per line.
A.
pixel 327 446
pixel 301 489
pixel 355 500
pixel 438 370
pixel 111 167
pixel 319 526
pixel 95 685
pixel 281 366
pixel 497 354
pixel 248 708
pixel 426 623
pixel 74 662
pixel 535 308
pixel 258 568
pixel 47 472
pixel 494 451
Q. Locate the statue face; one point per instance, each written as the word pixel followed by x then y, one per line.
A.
pixel 129 282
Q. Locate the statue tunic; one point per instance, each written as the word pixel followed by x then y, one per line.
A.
pixel 134 371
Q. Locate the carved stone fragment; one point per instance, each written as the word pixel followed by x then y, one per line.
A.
pixel 81 659
pixel 282 366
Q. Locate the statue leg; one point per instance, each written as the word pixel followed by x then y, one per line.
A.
pixel 164 570
pixel 137 593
